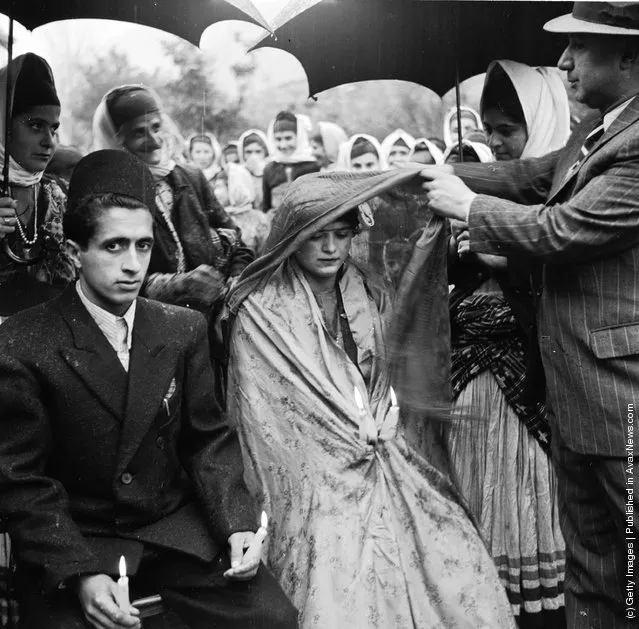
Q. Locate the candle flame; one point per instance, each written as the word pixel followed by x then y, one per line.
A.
pixel 393 397
pixel 358 400
pixel 122 567
pixel 264 520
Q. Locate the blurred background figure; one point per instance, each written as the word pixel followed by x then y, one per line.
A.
pixel 230 154
pixel 292 156
pixel 62 164
pixel 470 120
pixel 204 152
pixel 326 139
pixel 472 152
pixel 397 147
pixel 362 153
pixel 254 223
pixel 427 152
pixel 502 458
pixel 254 155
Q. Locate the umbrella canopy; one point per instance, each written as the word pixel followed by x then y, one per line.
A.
pixel 424 41
pixel 187 18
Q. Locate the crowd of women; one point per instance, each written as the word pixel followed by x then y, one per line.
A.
pixel 372 515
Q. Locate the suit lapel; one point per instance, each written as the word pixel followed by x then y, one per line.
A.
pixel 151 368
pixel 627 117
pixel 92 357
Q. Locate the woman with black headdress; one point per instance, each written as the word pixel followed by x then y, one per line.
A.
pixel 33 261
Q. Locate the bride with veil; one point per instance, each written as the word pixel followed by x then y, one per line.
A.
pixel 367 529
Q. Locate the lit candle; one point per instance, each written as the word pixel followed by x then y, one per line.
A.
pixel 255 549
pixel 367 429
pixel 123 586
pixel 389 427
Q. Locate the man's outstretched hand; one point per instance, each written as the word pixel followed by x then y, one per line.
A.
pixel 98 598
pixel 447 194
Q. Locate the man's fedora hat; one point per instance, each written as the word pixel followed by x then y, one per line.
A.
pixel 599 18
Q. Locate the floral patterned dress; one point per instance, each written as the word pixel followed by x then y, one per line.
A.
pixel 365 532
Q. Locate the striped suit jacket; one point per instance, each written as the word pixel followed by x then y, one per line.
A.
pixel 583 224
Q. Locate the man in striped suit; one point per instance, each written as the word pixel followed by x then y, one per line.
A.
pixel 577 211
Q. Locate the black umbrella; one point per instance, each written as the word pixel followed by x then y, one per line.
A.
pixel 185 18
pixel 433 43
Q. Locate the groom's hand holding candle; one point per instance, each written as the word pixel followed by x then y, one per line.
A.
pixel 246 552
pixel 100 598
pixel 447 194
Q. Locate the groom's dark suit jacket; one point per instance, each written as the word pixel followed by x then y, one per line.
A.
pixel 583 223
pixel 94 461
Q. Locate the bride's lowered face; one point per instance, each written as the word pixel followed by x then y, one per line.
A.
pixel 324 253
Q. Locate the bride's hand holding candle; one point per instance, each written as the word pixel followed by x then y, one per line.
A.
pixel 367 428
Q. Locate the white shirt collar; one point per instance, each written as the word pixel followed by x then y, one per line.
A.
pixel 612 115
pixel 105 319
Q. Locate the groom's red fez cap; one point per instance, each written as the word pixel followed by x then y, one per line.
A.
pixel 598 18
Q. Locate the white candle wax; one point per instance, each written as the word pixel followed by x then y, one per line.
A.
pixel 124 601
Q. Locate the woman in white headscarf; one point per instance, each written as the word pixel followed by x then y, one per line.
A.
pixel 426 152
pixel 198 253
pixel 326 139
pixel 254 223
pixel 292 156
pixel 398 147
pixel 361 153
pixel 471 151
pixel 204 152
pixel 502 461
pixel 254 155
pixel 470 120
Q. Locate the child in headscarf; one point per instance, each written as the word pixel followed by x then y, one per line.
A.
pixel 362 153
pixel 254 223
pixel 292 157
pixel 230 154
pixel 204 153
pixel 426 152
pixel 470 120
pixel 326 139
pixel 502 462
pixel 398 147
pixel 254 155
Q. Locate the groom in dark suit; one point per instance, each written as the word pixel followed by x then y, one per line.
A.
pixel 577 211
pixel 111 442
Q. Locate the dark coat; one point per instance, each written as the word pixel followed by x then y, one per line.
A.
pixel 195 212
pixel 277 173
pixel 93 462
pixel 582 223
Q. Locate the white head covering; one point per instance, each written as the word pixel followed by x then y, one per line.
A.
pixel 482 151
pixel 303 151
pixel 214 168
pixel 106 136
pixel 333 136
pixel 344 157
pixel 433 149
pixel 240 187
pixel 260 134
pixel 452 113
pixel 392 138
pixel 544 101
